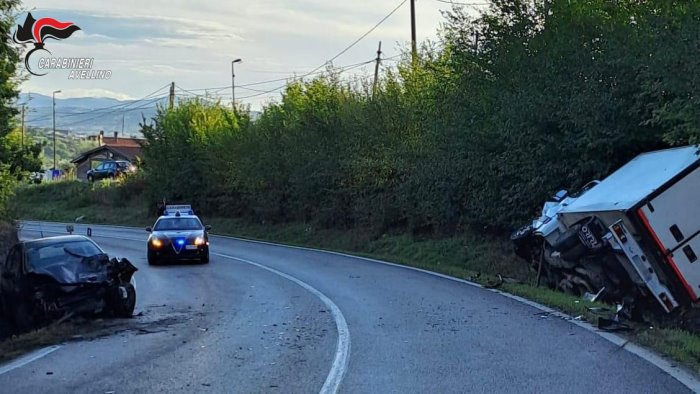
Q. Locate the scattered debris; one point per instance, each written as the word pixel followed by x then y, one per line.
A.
pixel 612 325
pixel 495 285
pixel 593 297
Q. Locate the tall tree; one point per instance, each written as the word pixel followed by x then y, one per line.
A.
pixel 15 159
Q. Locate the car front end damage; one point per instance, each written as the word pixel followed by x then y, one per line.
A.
pixel 104 286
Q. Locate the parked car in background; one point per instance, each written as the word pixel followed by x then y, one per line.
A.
pixel 36 177
pixel 110 170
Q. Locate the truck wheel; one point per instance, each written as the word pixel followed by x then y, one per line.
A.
pixel 124 307
pixel 521 239
pixel 568 240
pixel 574 253
pixel 522 233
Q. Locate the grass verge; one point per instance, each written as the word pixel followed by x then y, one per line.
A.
pixel 467 256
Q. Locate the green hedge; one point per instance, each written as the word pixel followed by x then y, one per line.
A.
pixel 476 134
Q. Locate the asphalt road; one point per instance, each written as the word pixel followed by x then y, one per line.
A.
pixel 265 318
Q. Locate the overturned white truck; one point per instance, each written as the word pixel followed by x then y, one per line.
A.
pixel 634 237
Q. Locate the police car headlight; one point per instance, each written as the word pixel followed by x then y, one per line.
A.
pixel 156 243
pixel 199 241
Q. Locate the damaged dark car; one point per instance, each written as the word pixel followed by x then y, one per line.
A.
pixel 47 279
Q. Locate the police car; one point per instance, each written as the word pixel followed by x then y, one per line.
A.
pixel 178 235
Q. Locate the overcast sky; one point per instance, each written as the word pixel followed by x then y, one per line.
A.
pixel 149 43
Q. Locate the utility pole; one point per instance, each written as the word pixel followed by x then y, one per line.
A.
pixel 171 96
pixel 23 105
pixel 376 69
pixel 414 48
pixel 53 110
pixel 123 115
pixel 233 83
pixel 24 112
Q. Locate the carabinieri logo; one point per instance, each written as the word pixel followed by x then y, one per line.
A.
pixel 37 31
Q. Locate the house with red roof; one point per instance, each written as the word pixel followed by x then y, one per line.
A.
pixel 108 148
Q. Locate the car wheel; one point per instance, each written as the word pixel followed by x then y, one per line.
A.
pixel 124 307
pixel 152 260
pixel 6 329
pixel 90 178
pixel 111 177
pixel 205 259
pixel 23 319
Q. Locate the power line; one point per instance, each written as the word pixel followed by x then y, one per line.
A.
pixel 459 3
pixel 337 55
pixel 116 111
pixel 214 91
pixel 264 92
pixel 366 34
pixel 245 85
pixel 116 106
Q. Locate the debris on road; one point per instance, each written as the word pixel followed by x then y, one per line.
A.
pixel 593 297
pixel 612 325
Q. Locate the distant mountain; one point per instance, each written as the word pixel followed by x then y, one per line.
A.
pixel 89 115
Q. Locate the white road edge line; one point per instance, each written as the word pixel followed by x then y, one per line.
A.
pixel 342 351
pixel 27 358
pixel 681 374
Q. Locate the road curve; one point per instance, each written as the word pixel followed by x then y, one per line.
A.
pixel 266 318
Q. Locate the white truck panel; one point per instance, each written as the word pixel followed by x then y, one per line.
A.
pixel 685 260
pixel 636 180
pixel 674 215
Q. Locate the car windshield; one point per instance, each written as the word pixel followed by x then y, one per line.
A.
pixel 41 256
pixel 167 224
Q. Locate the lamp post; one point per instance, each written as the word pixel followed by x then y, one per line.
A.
pixel 233 83
pixel 53 108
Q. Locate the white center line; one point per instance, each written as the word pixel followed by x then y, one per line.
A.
pixel 342 351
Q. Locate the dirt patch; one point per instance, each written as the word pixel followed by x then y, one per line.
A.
pixel 83 329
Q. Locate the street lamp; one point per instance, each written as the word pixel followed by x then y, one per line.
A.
pixel 233 84
pixel 53 107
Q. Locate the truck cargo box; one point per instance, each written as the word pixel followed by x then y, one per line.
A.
pixel 656 197
pixel 636 182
